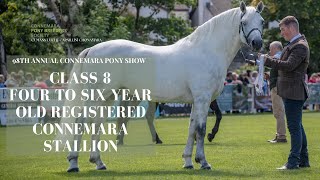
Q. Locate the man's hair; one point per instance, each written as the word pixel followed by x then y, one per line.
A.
pixel 277 44
pixel 290 20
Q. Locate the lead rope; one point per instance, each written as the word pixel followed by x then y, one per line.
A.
pixel 258 83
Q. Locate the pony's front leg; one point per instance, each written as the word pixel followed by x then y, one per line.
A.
pixel 201 107
pixel 95 153
pixel 73 155
pixel 187 154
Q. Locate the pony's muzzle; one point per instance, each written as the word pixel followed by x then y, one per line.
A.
pixel 257 44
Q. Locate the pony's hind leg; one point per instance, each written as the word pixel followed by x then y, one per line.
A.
pixel 150 119
pixel 95 152
pixel 73 155
pixel 214 106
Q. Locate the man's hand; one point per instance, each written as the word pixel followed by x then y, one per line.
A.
pixel 265 56
pixel 253 62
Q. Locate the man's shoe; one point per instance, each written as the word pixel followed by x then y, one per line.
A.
pixel 288 167
pixel 279 141
pixel 304 165
pixel 271 140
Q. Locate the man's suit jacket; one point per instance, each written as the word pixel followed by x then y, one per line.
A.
pixel 292 68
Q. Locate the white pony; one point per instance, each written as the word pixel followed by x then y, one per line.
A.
pixel 190 71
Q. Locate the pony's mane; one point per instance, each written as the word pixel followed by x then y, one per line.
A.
pixel 229 16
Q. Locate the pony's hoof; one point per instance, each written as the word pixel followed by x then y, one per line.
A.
pixel 103 167
pixel 159 142
pixel 75 169
pixel 210 137
pixel 188 167
pixel 197 160
pixel 206 167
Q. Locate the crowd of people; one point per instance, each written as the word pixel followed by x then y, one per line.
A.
pixel 248 77
pixel 21 79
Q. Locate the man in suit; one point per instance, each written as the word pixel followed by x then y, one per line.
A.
pixel 291 86
pixel 277 105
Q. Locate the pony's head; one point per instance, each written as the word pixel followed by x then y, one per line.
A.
pixel 251 25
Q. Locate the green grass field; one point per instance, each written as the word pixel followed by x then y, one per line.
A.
pixel 239 151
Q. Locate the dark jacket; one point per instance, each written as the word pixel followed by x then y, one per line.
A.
pixel 274 73
pixel 273 78
pixel 292 68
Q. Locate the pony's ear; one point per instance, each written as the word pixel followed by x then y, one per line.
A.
pixel 260 7
pixel 243 7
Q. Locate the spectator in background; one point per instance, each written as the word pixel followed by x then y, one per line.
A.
pixel 2 85
pixel 11 81
pixel 3 105
pixel 41 84
pixel 235 79
pixel 265 87
pixel 22 80
pixel 228 81
pixel 229 78
pixel 249 72
pixel 45 78
pixel 254 76
pixel 318 79
pixel 29 81
pixel 19 80
pixel 244 78
pixel 249 75
pixel 238 83
pixel 277 104
pixel 313 78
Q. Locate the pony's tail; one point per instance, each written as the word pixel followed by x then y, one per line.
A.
pixel 77 88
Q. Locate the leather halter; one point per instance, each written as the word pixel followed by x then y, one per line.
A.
pixel 241 29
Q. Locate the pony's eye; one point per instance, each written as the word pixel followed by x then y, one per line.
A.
pixel 262 22
pixel 244 23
